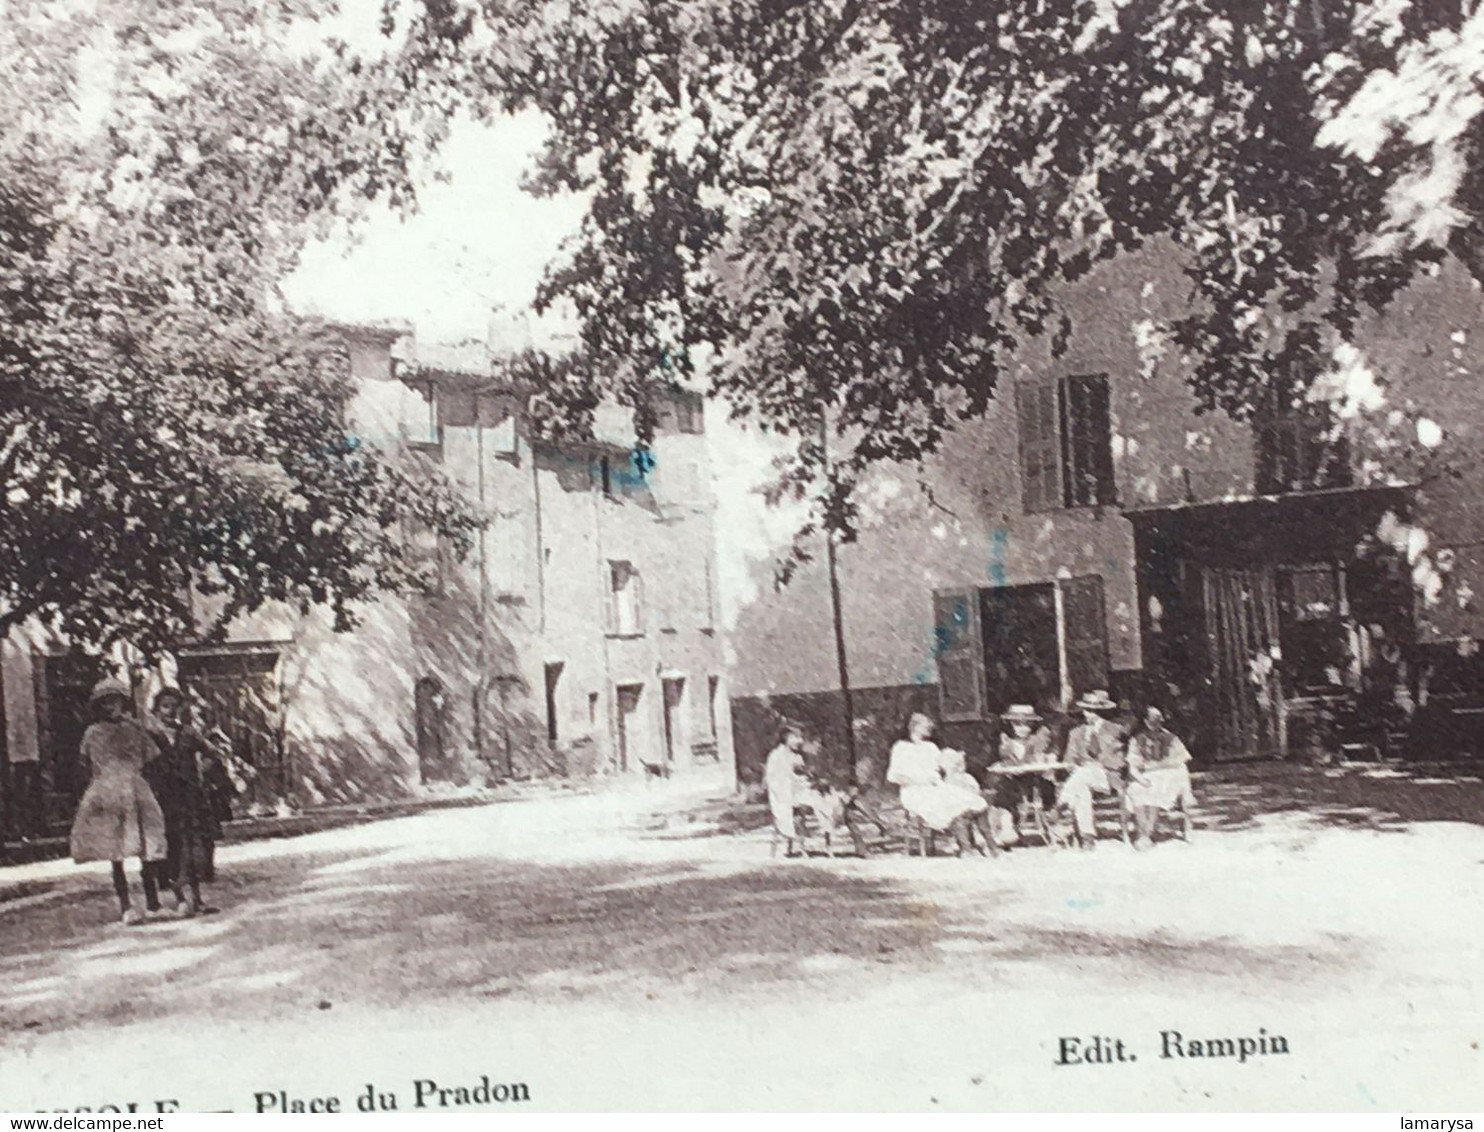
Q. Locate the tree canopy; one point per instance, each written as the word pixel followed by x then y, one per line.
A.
pixel 167 431
pixel 852 213
pixel 859 210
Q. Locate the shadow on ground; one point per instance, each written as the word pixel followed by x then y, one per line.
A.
pixel 1355 796
pixel 334 929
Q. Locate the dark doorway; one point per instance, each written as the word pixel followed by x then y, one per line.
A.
pixel 237 687
pixel 430 718
pixel 630 742
pixel 674 718
pixel 553 714
pixel 1021 657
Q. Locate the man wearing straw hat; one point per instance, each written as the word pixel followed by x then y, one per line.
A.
pixel 1095 752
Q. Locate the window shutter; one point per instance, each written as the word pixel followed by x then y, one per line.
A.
pixel 610 598
pixel 1086 626
pixel 959 648
pixel 636 580
pixel 1040 455
pixel 1087 440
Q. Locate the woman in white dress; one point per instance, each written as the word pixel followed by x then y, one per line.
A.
pixel 1159 775
pixel 920 769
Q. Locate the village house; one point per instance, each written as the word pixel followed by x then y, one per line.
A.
pixel 1302 580
pixel 581 637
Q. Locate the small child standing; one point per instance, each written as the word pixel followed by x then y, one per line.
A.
pixel 190 822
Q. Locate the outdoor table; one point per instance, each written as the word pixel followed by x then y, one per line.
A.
pixel 1050 771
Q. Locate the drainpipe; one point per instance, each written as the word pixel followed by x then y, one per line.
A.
pixel 481 651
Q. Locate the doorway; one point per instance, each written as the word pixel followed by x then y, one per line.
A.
pixel 1242 633
pixel 674 690
pixel 429 718
pixel 630 730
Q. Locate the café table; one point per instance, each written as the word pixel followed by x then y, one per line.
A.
pixel 1050 772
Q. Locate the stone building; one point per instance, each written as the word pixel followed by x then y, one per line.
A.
pixel 1302 578
pixel 580 638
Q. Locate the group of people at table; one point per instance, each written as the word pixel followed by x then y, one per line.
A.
pixel 1146 767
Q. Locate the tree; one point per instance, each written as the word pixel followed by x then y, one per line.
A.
pixel 863 209
pixel 166 429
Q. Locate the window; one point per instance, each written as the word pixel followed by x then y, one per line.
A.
pixel 1087 441
pixel 592 709
pixel 1312 616
pixel 421 418
pixel 506 551
pixel 680 411
pixel 1300 450
pixel 1066 443
pixel 713 689
pixel 1040 457
pixel 625 600
pixel 706 615
pixel 428 554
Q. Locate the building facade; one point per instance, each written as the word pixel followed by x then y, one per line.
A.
pixel 1305 576
pixel 580 638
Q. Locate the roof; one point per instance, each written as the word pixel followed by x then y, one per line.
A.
pixel 385 333
pixel 1283 499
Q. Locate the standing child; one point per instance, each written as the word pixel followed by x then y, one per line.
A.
pixel 118 816
pixel 190 824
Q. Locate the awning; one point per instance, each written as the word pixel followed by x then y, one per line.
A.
pixel 1303 526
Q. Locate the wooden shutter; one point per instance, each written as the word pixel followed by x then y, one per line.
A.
pixel 1087 440
pixel 959 649
pixel 610 597
pixel 1040 446
pixel 1086 629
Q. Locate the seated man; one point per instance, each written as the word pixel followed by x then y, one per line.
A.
pixel 1095 752
pixel 1159 775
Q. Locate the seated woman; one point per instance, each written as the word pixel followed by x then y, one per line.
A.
pixel 917 768
pixel 1159 775
pixel 1024 743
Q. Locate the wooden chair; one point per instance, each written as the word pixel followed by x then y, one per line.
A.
pixel 806 826
pixel 1113 809
pixel 916 835
pixel 1179 817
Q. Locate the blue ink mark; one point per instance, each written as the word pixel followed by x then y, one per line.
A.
pixel 944 638
pixel 1082 903
pixel 1366 1093
pixel 643 461
pixel 999 543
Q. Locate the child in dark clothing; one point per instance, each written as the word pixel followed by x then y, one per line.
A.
pixel 179 777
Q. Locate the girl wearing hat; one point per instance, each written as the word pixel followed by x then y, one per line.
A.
pixel 118 816
pixel 1024 743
